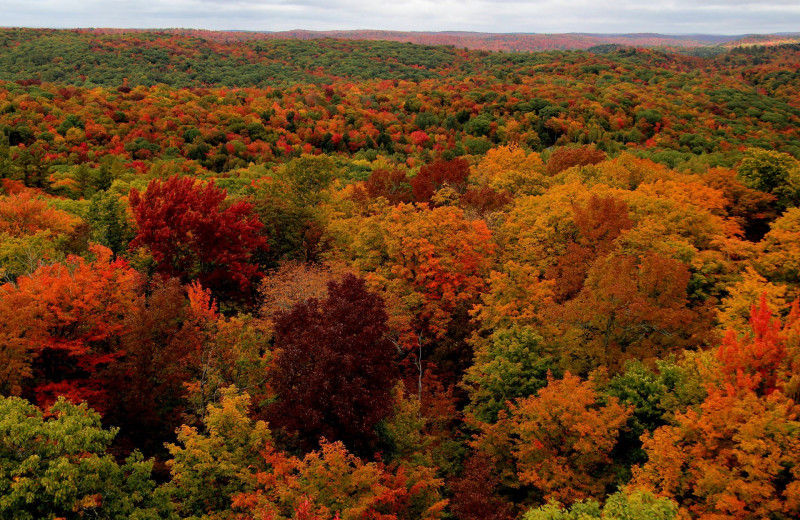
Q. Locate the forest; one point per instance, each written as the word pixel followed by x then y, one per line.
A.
pixel 331 279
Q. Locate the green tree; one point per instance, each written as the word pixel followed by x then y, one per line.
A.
pixel 512 363
pixel 57 467
pixel 29 166
pixel 772 172
pixel 210 466
pixel 623 505
pixel 109 222
pixel 655 395
pixel 4 155
pixel 308 176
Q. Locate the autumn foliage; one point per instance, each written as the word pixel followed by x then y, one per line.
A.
pixel 338 348
pixel 567 157
pixel 191 235
pixel 245 277
pixel 559 440
pixel 62 326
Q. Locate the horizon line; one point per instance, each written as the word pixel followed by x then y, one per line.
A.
pixel 444 31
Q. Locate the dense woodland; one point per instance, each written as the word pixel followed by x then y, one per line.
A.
pixel 332 279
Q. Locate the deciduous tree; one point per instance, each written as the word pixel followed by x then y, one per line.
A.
pixel 192 235
pixel 334 367
pixel 56 466
pixel 62 325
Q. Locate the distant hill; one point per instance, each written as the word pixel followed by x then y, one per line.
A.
pixel 768 40
pixel 517 42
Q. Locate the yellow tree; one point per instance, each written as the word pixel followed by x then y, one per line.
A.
pixel 512 169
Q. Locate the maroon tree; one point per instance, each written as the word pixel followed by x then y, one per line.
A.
pixel 475 492
pixel 334 368
pixel 435 175
pixel 192 237
pixel 391 184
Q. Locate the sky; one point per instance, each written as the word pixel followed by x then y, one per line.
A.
pixel 731 17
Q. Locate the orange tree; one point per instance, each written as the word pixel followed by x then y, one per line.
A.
pixel 61 327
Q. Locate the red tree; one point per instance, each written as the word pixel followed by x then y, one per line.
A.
pixel 754 361
pixel 162 342
pixel 475 494
pixel 60 327
pixel 192 237
pixel 599 223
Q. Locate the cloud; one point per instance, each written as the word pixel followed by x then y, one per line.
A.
pixel 598 16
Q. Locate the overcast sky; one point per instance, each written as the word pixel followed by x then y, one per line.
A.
pixel 539 16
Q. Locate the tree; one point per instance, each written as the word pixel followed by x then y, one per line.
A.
pixel 628 504
pixel 510 168
pixel 23 214
pixel 292 221
pixel 559 441
pixel 331 483
pixel 56 466
pixel 780 258
pixel 308 176
pixel 754 360
pixel 485 200
pixel 599 223
pixel 734 310
pixel 430 265
pixel 334 367
pixel 565 437
pixel 393 185
pixel 772 172
pixel 430 261
pixel 631 307
pixel 32 233
pixel 161 349
pixel 109 222
pixel 655 396
pixel 751 209
pixel 292 283
pixel 231 469
pixel 567 157
pixel 191 235
pixel 30 166
pixel 737 456
pixel 211 466
pixel 511 363
pixel 475 494
pixel 61 327
pixel 432 177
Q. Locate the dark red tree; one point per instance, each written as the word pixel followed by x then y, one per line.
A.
pixel 334 367
pixel 161 348
pixel 475 494
pixel 435 175
pixel 192 236
pixel 567 157
pixel 390 184
pixel 485 199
